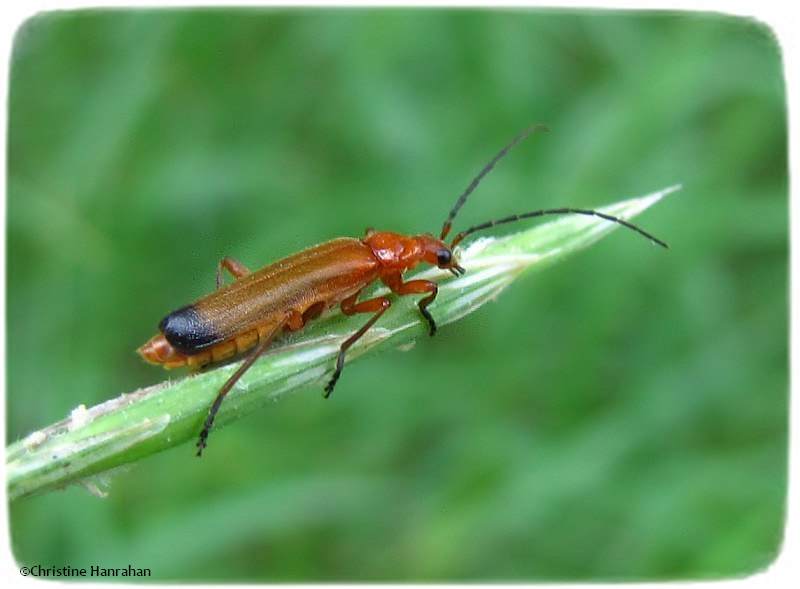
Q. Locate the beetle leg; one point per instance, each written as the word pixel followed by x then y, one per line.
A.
pixel 294 321
pixel 378 305
pixel 395 282
pixel 235 267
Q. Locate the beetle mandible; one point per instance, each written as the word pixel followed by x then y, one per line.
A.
pixel 247 314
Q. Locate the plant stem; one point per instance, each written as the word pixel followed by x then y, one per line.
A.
pixel 138 424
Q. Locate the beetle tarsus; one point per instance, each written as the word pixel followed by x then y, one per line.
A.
pixel 336 374
pixel 329 387
pixel 429 319
pixel 201 443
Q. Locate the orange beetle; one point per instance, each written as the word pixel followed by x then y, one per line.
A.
pixel 248 313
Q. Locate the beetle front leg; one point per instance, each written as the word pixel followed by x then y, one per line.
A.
pixel 395 282
pixel 233 266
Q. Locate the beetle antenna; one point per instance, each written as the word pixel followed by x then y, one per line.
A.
pixel 563 211
pixel 487 168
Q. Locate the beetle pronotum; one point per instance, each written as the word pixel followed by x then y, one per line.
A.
pixel 248 313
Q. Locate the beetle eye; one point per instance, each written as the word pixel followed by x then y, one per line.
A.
pixel 443 257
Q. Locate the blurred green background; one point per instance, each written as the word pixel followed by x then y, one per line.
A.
pixel 622 415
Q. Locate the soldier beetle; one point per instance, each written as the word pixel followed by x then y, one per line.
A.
pixel 247 314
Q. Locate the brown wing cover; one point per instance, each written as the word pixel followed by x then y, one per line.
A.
pixel 326 273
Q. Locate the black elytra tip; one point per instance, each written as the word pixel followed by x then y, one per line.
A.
pixel 187 331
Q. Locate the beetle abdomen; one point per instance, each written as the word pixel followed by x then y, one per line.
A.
pixel 157 350
pixel 188 331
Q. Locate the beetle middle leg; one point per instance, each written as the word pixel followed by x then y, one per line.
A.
pixel 233 266
pixel 293 320
pixel 395 282
pixel 378 305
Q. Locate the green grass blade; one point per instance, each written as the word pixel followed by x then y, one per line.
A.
pixel 135 425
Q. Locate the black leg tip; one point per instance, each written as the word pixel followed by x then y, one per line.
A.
pixel 329 387
pixel 201 443
pixel 429 320
pixel 431 328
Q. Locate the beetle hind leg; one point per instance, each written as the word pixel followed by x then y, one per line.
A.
pixel 292 320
